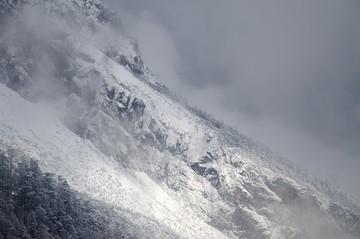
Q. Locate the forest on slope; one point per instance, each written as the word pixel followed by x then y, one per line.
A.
pixel 41 205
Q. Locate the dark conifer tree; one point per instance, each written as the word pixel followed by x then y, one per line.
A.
pixel 42 206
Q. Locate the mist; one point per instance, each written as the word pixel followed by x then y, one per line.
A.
pixel 285 73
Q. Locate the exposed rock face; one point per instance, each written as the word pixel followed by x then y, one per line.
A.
pixel 198 177
pixel 208 172
pixel 349 220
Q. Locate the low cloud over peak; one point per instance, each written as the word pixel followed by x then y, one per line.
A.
pixel 285 73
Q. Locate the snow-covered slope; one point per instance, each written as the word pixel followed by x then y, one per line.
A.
pixel 76 95
pixel 37 130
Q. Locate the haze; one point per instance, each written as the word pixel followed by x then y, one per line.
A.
pixel 286 73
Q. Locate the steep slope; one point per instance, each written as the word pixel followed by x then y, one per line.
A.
pixel 76 95
pixel 42 205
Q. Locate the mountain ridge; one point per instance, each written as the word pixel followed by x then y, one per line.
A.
pixel 109 103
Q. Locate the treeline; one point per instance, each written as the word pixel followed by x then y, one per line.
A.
pixel 41 205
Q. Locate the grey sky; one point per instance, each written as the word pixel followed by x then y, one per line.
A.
pixel 284 72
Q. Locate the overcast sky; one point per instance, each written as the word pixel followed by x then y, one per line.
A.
pixel 286 73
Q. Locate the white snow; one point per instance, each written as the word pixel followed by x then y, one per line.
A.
pixel 188 207
pixel 37 130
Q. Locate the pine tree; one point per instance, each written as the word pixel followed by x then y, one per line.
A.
pixel 42 206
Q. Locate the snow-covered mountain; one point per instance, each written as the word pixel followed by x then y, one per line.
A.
pixel 76 96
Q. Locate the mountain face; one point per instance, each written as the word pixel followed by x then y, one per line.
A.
pixel 76 96
pixel 40 205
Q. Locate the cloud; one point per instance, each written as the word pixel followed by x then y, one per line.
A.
pixel 286 73
pixel 152 37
